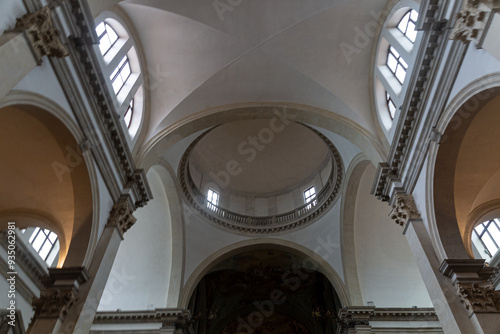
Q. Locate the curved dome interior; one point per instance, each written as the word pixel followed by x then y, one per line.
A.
pixel 262 160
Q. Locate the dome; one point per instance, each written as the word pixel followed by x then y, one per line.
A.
pixel 261 174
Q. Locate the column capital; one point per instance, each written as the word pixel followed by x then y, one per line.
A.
pixel 40 31
pixel 469 276
pixel 404 209
pixel 121 216
pixel 471 20
pixel 54 303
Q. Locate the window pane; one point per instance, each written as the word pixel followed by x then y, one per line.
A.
pixel 400 74
pixel 495 233
pixel 34 235
pixel 392 62
pixel 489 244
pixel 404 23
pixel 411 33
pixel 100 29
pixel 52 237
pixel 128 117
pixel 38 242
pixel 479 229
pixel 45 250
pixel 414 15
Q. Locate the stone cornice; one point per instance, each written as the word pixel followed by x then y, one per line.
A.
pixel 414 130
pixel 158 315
pixel 92 102
pixel 250 225
pixel 364 317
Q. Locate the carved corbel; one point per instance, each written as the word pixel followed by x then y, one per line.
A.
pixel 54 303
pixel 43 37
pixel 121 216
pixel 404 209
pixel 471 21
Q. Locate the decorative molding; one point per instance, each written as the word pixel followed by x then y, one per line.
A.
pixel 389 173
pixel 121 216
pixel 471 21
pixel 471 280
pixel 53 303
pixel 40 32
pixel 404 209
pixel 351 317
pixel 251 225
pixel 479 297
pixel 119 172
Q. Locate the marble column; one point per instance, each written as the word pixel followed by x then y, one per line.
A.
pixel 452 315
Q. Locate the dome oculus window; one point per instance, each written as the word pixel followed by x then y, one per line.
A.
pixel 120 63
pixel 127 117
pixel 212 199
pixel 309 196
pixel 120 75
pixel 407 25
pixel 396 64
pixel 391 107
pixel 107 37
pixel 395 61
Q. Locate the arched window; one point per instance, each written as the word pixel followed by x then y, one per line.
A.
pixel 486 238
pixel 212 199
pixel 129 113
pixel 120 63
pixel 45 243
pixel 390 105
pixel 394 62
pixel 107 37
pixel 408 24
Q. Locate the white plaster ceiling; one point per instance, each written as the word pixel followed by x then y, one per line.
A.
pixel 262 51
pixel 288 158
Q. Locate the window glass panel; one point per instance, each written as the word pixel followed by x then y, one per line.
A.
pixel 52 237
pixel 38 242
pixel 400 74
pixel 100 29
pixel 107 37
pixel 479 229
pixel 390 106
pixel 489 243
pixel 495 233
pixel 34 234
pixel 404 23
pixel 392 62
pixel 407 25
pixel 44 251
pixel 213 199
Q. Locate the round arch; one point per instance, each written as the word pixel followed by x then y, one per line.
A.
pixel 451 218
pixel 350 190
pixel 367 142
pixel 317 261
pixel 167 175
pixel 82 178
